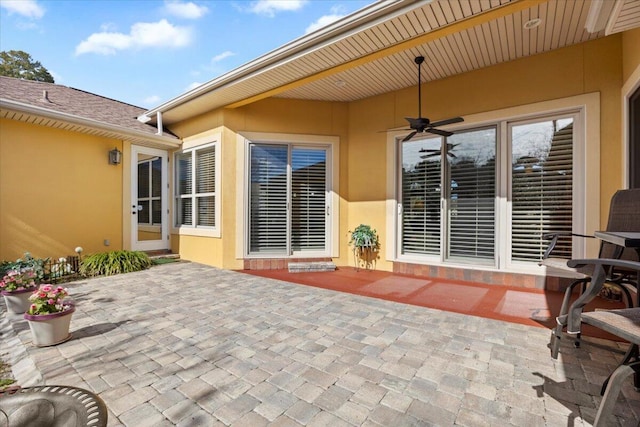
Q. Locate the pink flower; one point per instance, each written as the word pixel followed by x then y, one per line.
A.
pixel 51 301
pixel 33 307
pixel 46 288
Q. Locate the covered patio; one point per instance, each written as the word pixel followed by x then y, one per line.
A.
pixel 191 345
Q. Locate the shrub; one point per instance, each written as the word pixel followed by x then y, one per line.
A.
pixel 115 262
pixel 27 262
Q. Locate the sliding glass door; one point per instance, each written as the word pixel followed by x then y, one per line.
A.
pixel 448 192
pixel 288 202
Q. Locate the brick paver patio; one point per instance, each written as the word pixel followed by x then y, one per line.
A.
pixel 190 345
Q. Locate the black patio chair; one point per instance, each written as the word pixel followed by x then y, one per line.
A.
pixel 624 323
pixel 624 215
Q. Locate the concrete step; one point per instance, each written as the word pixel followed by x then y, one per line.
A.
pixel 311 267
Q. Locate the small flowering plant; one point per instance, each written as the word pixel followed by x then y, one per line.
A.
pixel 18 280
pixel 48 299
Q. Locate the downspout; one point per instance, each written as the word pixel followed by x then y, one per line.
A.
pixel 159 122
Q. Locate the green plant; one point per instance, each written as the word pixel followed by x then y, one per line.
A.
pixel 363 236
pixel 114 262
pixel 5 371
pixel 27 262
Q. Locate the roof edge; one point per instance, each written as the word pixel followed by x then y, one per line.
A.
pixel 83 121
pixel 346 25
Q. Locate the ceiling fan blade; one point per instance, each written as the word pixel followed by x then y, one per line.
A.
pixel 447 121
pixel 408 137
pixel 439 132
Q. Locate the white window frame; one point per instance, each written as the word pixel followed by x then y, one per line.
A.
pixel 192 145
pixel 242 188
pixel 586 196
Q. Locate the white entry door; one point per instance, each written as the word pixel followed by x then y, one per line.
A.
pixel 149 199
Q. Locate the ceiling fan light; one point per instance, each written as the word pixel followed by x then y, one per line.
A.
pixel 340 83
pixel 532 23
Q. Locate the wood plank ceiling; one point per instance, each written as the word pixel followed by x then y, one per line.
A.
pixel 352 60
pixel 562 23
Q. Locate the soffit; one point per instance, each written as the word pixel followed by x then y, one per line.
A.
pixel 455 36
pixel 80 126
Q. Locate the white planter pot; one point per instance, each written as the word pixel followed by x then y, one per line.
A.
pixel 17 302
pixel 50 329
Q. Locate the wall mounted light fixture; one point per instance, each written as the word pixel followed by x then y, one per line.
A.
pixel 115 156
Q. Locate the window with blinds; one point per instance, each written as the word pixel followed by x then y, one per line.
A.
pixel 287 199
pixel 150 191
pixel 308 199
pixel 420 182
pixel 471 206
pixel 268 199
pixel 541 187
pixel 195 176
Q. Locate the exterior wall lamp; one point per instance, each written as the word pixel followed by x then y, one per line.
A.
pixel 115 156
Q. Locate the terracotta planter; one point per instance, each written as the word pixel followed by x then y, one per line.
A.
pixel 17 302
pixel 50 329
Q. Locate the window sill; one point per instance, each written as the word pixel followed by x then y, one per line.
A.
pixel 197 232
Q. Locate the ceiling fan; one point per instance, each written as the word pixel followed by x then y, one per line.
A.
pixel 422 124
pixel 431 152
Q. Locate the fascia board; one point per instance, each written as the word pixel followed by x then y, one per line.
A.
pixel 83 121
pixel 340 29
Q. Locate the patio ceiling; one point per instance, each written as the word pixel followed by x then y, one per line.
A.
pixel 372 51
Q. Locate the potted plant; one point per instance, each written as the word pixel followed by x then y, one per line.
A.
pixel 16 287
pixel 49 316
pixel 366 244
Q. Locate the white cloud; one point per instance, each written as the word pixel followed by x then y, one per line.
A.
pixel 108 27
pixel 26 8
pixel 142 34
pixel 151 100
pixel 188 10
pixel 192 86
pixel 222 56
pixel 323 21
pixel 271 7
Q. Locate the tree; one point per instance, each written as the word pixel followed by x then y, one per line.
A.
pixel 19 64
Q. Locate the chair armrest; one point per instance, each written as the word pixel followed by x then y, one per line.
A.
pixel 598 278
pixel 621 263
pixel 554 239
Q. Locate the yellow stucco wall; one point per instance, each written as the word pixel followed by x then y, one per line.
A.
pixel 580 69
pixel 631 52
pixel 271 116
pixel 589 67
pixel 58 192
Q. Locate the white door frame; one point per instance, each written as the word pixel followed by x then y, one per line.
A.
pixel 149 245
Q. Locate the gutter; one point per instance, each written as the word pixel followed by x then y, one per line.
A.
pixel 171 142
pixel 340 29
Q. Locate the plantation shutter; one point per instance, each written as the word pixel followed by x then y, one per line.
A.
pixel 421 176
pixel 268 199
pixel 184 176
pixel 542 177
pixel 471 199
pixel 206 186
pixel 308 199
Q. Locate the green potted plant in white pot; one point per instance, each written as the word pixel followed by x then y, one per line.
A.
pixel 49 316
pixel 366 245
pixel 16 287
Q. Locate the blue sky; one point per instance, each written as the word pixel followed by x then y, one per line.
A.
pixel 148 52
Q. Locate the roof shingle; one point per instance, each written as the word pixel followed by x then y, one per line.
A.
pixel 63 99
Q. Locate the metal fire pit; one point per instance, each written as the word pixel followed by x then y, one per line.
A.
pixel 46 406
